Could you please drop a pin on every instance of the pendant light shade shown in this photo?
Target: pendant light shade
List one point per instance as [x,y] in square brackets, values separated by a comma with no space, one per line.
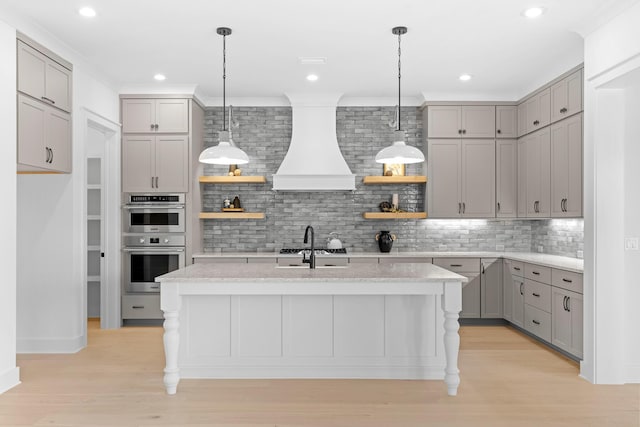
[226,152]
[399,151]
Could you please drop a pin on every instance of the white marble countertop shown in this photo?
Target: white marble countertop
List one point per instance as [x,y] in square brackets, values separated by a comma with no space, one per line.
[271,272]
[555,261]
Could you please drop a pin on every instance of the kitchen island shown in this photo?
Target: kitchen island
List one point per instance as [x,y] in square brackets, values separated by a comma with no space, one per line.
[397,321]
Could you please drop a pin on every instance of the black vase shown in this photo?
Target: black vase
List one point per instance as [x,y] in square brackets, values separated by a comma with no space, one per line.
[385,241]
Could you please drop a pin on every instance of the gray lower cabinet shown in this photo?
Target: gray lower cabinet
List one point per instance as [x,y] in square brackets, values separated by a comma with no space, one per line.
[141,307]
[517,293]
[491,288]
[470,268]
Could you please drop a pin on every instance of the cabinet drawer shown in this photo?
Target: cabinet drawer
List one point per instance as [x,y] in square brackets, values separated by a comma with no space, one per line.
[418,260]
[537,294]
[537,322]
[141,307]
[567,280]
[459,265]
[516,268]
[537,273]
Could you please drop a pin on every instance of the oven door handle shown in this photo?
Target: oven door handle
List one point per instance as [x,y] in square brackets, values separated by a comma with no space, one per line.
[153,249]
[152,207]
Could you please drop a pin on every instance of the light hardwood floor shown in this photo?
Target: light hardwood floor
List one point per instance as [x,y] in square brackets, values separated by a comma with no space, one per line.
[507,380]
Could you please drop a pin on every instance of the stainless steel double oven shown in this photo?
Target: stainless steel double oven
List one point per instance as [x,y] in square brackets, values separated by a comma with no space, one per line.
[153,239]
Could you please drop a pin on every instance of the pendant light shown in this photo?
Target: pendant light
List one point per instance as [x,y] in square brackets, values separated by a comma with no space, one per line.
[226,152]
[399,151]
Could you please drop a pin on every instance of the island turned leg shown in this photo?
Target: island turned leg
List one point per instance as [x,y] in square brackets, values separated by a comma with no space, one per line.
[451,305]
[171,341]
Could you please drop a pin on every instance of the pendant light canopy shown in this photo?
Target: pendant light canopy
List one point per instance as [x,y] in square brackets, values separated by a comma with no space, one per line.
[226,152]
[399,151]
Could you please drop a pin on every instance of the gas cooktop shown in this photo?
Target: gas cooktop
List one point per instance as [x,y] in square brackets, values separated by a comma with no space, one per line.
[318,251]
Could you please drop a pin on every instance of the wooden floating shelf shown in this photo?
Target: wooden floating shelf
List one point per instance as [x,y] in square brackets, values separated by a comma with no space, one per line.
[394,215]
[231,215]
[415,179]
[233,179]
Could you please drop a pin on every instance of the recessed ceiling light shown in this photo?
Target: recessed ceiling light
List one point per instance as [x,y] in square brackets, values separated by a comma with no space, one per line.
[533,12]
[160,77]
[465,77]
[87,12]
[312,77]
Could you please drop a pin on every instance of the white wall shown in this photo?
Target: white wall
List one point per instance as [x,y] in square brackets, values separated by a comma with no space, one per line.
[9,373]
[612,79]
[51,294]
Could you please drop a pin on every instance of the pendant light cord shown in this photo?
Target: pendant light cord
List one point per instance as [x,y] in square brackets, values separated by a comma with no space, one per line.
[399,75]
[224,82]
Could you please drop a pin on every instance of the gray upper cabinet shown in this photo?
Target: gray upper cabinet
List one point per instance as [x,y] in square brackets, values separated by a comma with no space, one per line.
[534,174]
[566,97]
[506,178]
[43,78]
[537,112]
[506,121]
[468,121]
[155,163]
[141,115]
[566,167]
[461,179]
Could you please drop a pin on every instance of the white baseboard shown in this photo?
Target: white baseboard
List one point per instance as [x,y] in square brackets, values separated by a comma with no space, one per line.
[633,374]
[50,345]
[9,379]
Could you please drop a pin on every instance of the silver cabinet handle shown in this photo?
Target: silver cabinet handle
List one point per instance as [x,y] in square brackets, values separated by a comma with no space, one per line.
[568,304]
[51,150]
[46,149]
[521,285]
[49,100]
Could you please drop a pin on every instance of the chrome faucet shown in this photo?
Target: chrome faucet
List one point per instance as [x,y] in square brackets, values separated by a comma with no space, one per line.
[312,257]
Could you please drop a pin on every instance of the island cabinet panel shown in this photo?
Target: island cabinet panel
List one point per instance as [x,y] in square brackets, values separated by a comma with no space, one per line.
[256,325]
[359,325]
[213,314]
[308,326]
[404,320]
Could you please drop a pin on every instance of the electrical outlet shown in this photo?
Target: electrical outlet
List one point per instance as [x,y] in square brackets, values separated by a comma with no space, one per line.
[630,243]
[540,248]
[500,248]
[580,254]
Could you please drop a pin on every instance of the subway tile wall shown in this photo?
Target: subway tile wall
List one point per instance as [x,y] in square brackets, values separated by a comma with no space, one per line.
[265,132]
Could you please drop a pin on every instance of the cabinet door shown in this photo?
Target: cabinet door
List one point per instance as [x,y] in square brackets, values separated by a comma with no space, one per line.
[138,115]
[567,317]
[491,288]
[522,176]
[478,178]
[172,115]
[478,121]
[517,317]
[31,132]
[566,97]
[443,191]
[171,166]
[471,298]
[566,167]
[522,119]
[507,291]
[58,85]
[538,147]
[32,67]
[444,121]
[506,121]
[506,178]
[58,139]
[538,110]
[138,164]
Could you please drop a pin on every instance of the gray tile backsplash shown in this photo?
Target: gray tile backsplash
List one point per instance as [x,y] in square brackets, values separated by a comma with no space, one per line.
[265,132]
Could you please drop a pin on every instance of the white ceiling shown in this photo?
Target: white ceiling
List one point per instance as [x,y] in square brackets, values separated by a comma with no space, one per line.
[508,55]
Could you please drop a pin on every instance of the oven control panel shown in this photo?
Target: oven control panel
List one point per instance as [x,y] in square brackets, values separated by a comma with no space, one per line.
[146,240]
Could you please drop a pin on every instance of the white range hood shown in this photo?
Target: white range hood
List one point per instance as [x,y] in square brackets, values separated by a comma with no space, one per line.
[314,161]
